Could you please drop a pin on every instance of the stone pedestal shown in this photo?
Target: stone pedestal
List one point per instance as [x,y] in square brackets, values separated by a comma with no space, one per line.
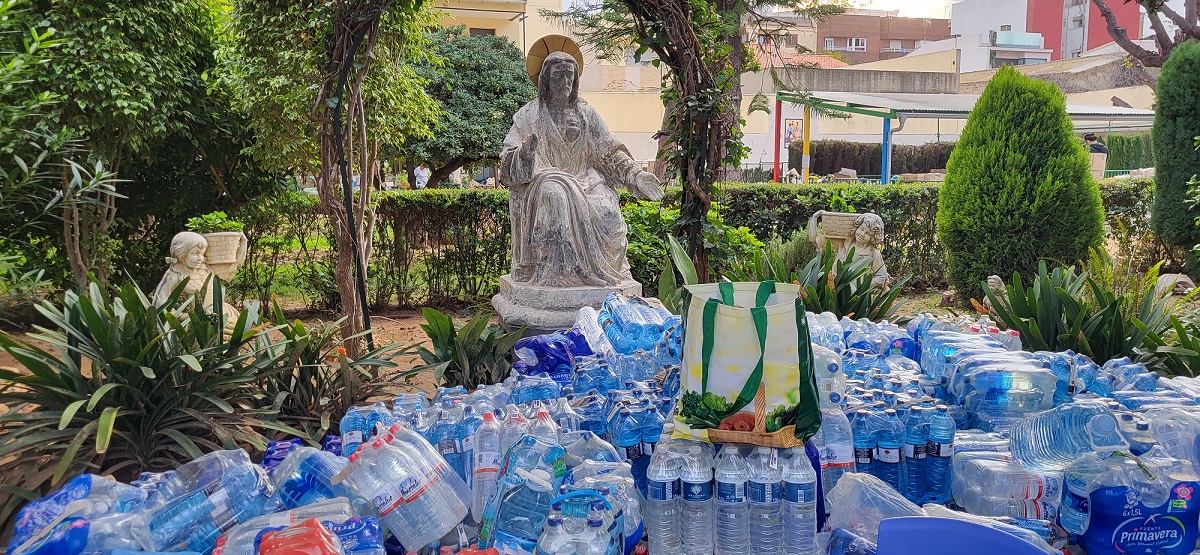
[548,309]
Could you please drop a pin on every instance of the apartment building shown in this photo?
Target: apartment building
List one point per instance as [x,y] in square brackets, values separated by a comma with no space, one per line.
[861,36]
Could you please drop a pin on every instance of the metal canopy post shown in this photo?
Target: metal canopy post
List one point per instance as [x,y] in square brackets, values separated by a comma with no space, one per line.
[887,149]
[778,134]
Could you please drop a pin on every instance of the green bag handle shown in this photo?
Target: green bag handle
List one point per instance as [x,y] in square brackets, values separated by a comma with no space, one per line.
[759,315]
[765,290]
[808,418]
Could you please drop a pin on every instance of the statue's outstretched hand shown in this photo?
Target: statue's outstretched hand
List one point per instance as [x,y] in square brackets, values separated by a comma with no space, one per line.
[528,149]
[648,186]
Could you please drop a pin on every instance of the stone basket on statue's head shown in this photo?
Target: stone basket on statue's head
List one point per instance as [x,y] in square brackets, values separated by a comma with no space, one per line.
[838,227]
[226,253]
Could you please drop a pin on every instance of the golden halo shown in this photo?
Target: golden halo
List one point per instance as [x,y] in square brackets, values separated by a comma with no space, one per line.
[546,46]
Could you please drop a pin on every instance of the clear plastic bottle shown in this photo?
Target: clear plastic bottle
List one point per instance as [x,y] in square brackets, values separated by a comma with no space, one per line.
[662,503]
[864,427]
[554,540]
[916,439]
[415,508]
[594,540]
[429,462]
[523,510]
[89,536]
[939,452]
[486,448]
[1053,439]
[799,503]
[306,476]
[835,443]
[765,491]
[352,426]
[544,428]
[733,508]
[696,506]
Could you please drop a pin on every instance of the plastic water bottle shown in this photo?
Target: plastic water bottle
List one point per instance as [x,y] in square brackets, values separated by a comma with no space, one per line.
[733,508]
[465,433]
[939,452]
[845,542]
[445,438]
[415,508]
[429,462]
[306,476]
[565,416]
[889,454]
[766,495]
[554,540]
[544,428]
[523,510]
[627,436]
[696,505]
[486,444]
[662,503]
[1053,439]
[198,518]
[799,503]
[81,535]
[863,428]
[916,439]
[352,425]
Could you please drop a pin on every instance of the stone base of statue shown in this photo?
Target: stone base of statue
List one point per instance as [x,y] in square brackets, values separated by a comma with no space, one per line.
[547,309]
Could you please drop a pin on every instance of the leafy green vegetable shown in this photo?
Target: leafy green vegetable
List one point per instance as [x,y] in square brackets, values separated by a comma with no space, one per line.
[781,416]
[703,411]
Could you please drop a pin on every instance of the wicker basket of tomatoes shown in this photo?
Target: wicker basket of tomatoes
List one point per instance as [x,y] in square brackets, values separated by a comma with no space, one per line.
[750,428]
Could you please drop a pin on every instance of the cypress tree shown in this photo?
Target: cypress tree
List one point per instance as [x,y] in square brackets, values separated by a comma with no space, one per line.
[1018,188]
[1176,124]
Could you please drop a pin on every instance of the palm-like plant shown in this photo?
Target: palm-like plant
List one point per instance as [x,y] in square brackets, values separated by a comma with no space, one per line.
[129,386]
[844,287]
[475,354]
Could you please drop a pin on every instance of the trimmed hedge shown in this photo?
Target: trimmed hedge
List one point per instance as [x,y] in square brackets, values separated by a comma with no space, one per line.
[449,246]
[829,157]
[1129,152]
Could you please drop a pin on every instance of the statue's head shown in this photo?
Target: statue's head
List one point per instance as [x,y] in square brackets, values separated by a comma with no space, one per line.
[868,230]
[558,81]
[187,250]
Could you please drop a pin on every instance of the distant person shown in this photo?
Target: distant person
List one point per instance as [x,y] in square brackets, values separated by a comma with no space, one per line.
[422,174]
[1094,145]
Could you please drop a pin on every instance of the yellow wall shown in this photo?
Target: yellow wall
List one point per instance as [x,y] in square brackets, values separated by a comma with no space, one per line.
[945,61]
[504,17]
[1141,97]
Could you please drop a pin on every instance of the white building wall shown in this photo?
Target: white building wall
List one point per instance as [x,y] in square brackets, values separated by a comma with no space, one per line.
[980,17]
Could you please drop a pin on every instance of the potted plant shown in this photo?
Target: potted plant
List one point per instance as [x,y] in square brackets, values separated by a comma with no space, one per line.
[226,243]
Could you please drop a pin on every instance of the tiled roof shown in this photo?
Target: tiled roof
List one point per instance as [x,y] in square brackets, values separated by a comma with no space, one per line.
[769,56]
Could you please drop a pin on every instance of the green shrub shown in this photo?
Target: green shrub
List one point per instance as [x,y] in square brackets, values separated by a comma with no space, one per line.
[649,225]
[1019,187]
[213,222]
[909,213]
[1129,152]
[1176,121]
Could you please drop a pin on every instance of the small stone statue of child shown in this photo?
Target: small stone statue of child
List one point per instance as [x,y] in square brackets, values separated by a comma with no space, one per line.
[867,241]
[187,261]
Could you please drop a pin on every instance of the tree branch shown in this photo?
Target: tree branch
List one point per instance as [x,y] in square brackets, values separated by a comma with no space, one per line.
[1188,26]
[1121,37]
[1161,37]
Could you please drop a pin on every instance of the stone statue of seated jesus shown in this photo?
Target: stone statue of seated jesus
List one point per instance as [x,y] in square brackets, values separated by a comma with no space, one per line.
[563,167]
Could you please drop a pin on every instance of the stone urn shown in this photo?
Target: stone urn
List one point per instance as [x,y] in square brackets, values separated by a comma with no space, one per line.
[226,253]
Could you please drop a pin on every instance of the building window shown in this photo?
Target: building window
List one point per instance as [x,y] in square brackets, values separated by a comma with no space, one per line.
[1077,22]
[856,45]
[1006,27]
[790,39]
[476,32]
[829,44]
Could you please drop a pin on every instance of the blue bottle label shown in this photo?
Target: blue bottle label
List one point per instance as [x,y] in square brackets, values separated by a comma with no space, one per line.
[447,446]
[888,455]
[662,491]
[1121,523]
[697,491]
[731,492]
[630,453]
[800,493]
[912,451]
[68,536]
[1072,501]
[765,492]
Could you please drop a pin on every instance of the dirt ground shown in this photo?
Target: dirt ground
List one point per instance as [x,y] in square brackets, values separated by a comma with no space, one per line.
[404,326]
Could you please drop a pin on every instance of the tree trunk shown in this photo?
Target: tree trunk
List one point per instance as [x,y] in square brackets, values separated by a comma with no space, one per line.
[410,172]
[436,176]
[329,188]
